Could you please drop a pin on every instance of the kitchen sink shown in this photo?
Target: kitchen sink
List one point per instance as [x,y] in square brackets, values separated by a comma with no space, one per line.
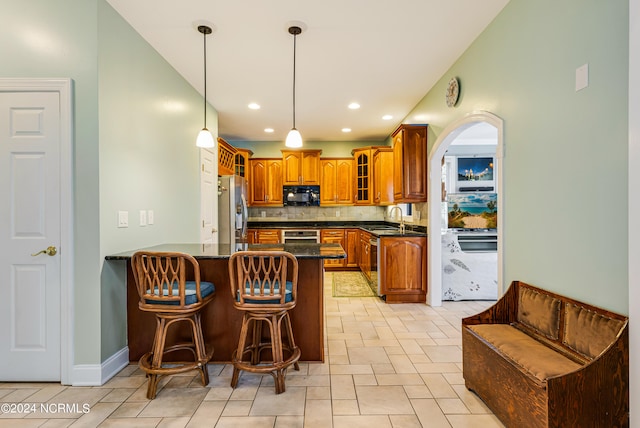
[379,228]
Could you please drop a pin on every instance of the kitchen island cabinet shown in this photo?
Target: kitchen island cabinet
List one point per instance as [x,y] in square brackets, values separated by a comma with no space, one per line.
[403,269]
[221,321]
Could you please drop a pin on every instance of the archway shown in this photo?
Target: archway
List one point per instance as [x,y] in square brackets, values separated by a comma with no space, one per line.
[448,135]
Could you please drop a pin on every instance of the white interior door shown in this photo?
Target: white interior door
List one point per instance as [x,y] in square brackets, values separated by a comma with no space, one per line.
[208,197]
[30,138]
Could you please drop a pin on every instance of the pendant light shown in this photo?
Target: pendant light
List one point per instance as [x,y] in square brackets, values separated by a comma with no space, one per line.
[205,139]
[294,139]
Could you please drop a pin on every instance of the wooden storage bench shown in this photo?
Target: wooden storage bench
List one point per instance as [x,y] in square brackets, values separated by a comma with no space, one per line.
[538,359]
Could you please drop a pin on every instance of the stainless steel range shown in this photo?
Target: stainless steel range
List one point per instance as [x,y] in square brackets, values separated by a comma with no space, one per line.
[300,236]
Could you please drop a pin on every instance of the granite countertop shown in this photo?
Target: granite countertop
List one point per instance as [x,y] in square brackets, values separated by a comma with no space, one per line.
[377,228]
[224,251]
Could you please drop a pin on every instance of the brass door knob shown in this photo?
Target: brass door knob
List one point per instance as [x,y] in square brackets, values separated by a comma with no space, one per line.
[50,251]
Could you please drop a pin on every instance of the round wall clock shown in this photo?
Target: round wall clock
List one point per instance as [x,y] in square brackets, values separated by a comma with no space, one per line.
[453,90]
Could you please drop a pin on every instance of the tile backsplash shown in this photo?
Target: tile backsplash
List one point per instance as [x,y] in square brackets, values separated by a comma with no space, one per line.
[345,213]
[316,213]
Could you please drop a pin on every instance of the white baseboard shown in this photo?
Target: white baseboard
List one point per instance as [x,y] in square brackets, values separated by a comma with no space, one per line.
[99,374]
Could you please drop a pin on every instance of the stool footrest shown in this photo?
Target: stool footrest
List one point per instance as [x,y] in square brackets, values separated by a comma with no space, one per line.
[269,366]
[173,367]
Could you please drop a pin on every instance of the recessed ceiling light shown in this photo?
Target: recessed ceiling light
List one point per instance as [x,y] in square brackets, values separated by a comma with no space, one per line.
[354,106]
[387,117]
[268,130]
[346,129]
[254,106]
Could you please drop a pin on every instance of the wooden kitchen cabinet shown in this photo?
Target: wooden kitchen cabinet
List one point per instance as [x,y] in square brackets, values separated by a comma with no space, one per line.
[263,236]
[336,181]
[301,167]
[352,237]
[242,163]
[364,254]
[403,269]
[410,163]
[226,157]
[363,177]
[349,240]
[333,236]
[265,182]
[383,176]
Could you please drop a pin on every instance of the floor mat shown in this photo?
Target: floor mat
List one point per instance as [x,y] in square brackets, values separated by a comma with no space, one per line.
[350,284]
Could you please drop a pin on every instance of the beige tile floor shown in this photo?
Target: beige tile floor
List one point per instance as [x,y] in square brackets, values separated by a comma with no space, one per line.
[386,366]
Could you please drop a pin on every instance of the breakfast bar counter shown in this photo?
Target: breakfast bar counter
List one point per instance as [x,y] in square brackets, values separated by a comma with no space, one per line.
[220,320]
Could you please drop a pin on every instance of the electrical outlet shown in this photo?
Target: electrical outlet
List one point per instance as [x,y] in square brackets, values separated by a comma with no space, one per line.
[150,217]
[143,218]
[123,218]
[337,213]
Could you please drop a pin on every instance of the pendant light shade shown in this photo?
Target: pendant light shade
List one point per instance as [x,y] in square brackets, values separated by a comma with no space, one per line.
[294,139]
[205,139]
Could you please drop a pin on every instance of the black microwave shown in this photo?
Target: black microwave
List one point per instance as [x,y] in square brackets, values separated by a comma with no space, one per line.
[301,196]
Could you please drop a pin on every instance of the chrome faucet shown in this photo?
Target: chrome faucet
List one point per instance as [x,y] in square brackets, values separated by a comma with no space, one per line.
[401,217]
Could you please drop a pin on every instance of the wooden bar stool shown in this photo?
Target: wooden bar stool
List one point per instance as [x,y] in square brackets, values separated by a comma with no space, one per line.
[163,290]
[264,284]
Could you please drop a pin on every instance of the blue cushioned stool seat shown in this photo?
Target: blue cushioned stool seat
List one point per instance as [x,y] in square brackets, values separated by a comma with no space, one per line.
[256,290]
[190,298]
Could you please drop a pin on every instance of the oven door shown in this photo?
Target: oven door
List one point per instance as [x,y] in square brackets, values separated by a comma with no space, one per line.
[301,236]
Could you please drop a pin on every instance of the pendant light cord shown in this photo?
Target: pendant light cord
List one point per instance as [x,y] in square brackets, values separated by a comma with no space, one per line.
[204,33]
[294,79]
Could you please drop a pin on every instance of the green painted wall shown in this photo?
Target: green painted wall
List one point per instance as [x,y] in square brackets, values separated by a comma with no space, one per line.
[565,165]
[270,149]
[41,38]
[135,123]
[149,119]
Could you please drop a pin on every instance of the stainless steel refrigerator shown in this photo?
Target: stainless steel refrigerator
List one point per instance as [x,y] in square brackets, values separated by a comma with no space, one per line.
[232,211]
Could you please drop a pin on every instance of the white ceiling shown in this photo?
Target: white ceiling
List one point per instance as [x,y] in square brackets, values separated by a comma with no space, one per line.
[385,55]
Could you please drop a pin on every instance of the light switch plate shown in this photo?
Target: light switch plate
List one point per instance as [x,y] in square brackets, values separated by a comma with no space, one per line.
[150,217]
[582,77]
[143,217]
[123,218]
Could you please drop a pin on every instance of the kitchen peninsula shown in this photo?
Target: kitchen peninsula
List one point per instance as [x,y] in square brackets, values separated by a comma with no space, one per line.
[220,320]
